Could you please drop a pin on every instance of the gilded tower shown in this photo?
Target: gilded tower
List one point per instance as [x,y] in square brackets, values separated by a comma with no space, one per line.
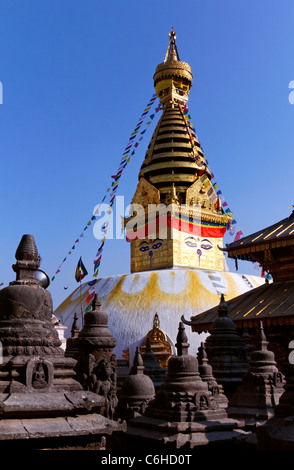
[177,219]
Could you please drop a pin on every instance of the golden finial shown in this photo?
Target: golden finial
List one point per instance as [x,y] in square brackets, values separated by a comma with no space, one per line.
[172,51]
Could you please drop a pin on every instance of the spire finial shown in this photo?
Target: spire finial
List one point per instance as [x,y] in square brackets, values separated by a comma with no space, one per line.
[261,338]
[96,303]
[172,51]
[223,308]
[75,329]
[138,365]
[182,344]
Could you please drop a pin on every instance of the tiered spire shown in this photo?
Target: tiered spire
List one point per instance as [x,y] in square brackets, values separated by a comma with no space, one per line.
[175,173]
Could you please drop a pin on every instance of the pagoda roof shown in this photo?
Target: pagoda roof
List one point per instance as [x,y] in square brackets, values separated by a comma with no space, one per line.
[273,303]
[275,235]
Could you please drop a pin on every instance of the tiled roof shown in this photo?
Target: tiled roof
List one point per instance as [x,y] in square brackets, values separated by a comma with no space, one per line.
[278,231]
[272,302]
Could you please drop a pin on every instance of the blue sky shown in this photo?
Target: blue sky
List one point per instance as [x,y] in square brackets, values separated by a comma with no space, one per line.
[76,76]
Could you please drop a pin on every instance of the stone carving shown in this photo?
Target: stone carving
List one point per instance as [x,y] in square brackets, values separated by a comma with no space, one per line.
[39,374]
[97,368]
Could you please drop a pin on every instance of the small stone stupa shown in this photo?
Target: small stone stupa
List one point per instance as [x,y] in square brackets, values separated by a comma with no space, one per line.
[184,412]
[72,343]
[206,375]
[136,392]
[278,432]
[259,394]
[152,367]
[96,367]
[42,405]
[226,351]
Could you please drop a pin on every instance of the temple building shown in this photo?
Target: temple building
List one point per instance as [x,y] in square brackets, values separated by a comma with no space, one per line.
[176,262]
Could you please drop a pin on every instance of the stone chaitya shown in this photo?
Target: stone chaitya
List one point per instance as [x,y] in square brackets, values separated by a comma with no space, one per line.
[184,412]
[262,386]
[96,367]
[278,432]
[41,402]
[226,352]
[72,343]
[136,392]
[152,367]
[206,374]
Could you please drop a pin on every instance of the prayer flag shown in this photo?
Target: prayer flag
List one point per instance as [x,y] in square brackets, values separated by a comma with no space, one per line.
[90,297]
[238,236]
[81,271]
[90,304]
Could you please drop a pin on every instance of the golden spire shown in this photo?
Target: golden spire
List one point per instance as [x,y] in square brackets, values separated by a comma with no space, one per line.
[172,78]
[172,51]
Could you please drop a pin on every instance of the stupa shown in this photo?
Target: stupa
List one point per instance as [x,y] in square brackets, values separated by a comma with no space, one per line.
[42,405]
[258,395]
[152,367]
[96,366]
[226,351]
[176,264]
[136,392]
[206,374]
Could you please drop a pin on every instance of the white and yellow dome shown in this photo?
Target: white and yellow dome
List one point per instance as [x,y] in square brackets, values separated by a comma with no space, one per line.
[131,301]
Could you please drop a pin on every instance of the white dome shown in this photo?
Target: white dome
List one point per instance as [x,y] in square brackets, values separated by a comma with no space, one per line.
[131,301]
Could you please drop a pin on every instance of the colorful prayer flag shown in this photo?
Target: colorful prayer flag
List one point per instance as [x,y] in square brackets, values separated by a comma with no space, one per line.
[81,271]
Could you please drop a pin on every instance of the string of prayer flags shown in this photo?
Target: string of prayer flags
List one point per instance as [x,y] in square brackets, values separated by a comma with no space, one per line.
[91,294]
[234,229]
[125,159]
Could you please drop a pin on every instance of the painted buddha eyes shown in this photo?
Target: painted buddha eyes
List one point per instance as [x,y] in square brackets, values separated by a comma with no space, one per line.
[192,243]
[144,246]
[157,244]
[206,244]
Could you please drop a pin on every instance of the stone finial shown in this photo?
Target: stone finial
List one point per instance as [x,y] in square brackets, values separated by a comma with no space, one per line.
[182,344]
[75,329]
[27,259]
[27,249]
[261,338]
[96,304]
[138,365]
[223,307]
[202,355]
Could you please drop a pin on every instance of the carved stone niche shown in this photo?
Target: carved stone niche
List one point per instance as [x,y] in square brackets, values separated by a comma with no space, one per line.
[39,375]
